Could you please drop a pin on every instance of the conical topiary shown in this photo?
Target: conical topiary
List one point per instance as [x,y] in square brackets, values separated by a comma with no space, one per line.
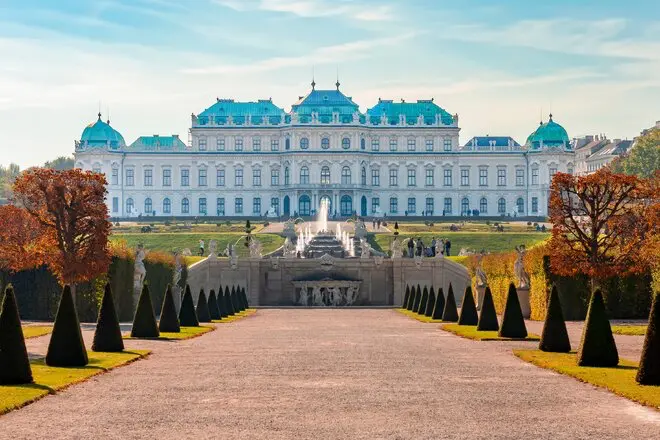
[187,314]
[597,348]
[234,302]
[66,347]
[203,313]
[554,337]
[430,304]
[649,364]
[222,305]
[405,298]
[418,299]
[144,322]
[488,317]
[213,306]
[228,304]
[450,313]
[246,302]
[14,362]
[422,304]
[468,314]
[439,305]
[107,336]
[411,299]
[240,299]
[513,323]
[169,321]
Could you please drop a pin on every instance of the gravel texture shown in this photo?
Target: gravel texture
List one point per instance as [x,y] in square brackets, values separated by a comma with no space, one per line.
[330,374]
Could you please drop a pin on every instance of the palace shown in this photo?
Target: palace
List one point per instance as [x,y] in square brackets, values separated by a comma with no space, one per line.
[249,159]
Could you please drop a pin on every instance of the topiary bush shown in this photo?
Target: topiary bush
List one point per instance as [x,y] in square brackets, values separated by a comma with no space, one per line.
[214,312]
[411,299]
[597,347]
[246,303]
[187,314]
[228,304]
[430,304]
[222,305]
[203,314]
[469,314]
[488,317]
[649,365]
[422,303]
[439,305]
[107,336]
[450,313]
[14,362]
[418,299]
[66,347]
[554,337]
[234,302]
[513,323]
[169,321]
[406,297]
[144,323]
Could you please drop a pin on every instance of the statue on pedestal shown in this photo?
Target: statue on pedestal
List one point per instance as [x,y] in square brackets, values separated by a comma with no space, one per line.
[519,268]
[360,229]
[255,248]
[395,248]
[213,249]
[288,249]
[482,279]
[365,249]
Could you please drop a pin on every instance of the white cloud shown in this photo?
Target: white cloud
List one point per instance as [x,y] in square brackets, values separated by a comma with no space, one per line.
[315,8]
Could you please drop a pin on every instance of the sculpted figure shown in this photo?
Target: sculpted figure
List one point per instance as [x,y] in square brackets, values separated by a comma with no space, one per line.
[519,267]
[395,248]
[140,271]
[255,248]
[317,299]
[365,248]
[482,279]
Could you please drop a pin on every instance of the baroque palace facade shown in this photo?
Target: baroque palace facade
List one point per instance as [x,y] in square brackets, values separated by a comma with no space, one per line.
[253,159]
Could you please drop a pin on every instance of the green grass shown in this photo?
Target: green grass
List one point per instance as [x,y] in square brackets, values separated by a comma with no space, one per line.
[49,380]
[420,318]
[470,332]
[468,226]
[212,226]
[490,241]
[620,380]
[236,317]
[177,241]
[34,331]
[186,333]
[630,330]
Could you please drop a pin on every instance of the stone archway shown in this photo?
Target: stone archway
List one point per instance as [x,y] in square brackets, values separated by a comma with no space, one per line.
[286,206]
[363,206]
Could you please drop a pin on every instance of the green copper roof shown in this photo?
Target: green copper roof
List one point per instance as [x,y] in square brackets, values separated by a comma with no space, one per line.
[157,142]
[549,134]
[412,110]
[224,108]
[324,103]
[100,134]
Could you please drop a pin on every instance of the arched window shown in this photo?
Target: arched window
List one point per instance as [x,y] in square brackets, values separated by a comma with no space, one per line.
[325,175]
[130,206]
[287,177]
[304,175]
[287,144]
[465,206]
[363,176]
[483,205]
[304,143]
[148,206]
[346,143]
[501,206]
[304,205]
[185,206]
[346,176]
[325,143]
[363,144]
[167,206]
[520,203]
[346,205]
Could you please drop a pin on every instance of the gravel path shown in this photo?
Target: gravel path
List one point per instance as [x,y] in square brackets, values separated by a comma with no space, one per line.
[331,374]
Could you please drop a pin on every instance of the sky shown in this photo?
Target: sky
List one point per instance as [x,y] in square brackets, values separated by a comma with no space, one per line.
[150,64]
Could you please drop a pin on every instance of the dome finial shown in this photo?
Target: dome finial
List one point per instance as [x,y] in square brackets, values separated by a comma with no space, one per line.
[337,83]
[99,115]
[550,116]
[313,82]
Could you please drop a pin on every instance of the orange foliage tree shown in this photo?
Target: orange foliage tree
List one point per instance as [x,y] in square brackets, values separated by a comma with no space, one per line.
[600,224]
[21,240]
[69,205]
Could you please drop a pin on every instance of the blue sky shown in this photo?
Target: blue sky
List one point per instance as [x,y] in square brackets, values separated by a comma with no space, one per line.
[151,63]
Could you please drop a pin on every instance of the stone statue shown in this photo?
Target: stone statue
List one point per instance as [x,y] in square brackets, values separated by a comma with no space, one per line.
[439,249]
[140,271]
[395,248]
[519,268]
[186,252]
[288,249]
[304,295]
[365,249]
[289,230]
[378,260]
[335,294]
[213,249]
[178,268]
[360,229]
[482,279]
[255,248]
[351,295]
[317,298]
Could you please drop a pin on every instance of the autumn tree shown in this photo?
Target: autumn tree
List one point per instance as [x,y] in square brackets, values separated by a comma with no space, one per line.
[600,223]
[21,240]
[69,205]
[644,158]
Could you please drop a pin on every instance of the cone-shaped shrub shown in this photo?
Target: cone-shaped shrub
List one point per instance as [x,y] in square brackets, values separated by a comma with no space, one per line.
[239,298]
[418,299]
[469,314]
[228,305]
[187,314]
[405,298]
[66,347]
[234,303]
[554,337]
[411,299]
[513,323]
[597,348]
[450,313]
[422,304]
[222,305]
[14,362]
[649,365]
[488,317]
[203,313]
[144,322]
[430,304]
[213,306]
[246,303]
[439,305]
[169,321]
[107,336]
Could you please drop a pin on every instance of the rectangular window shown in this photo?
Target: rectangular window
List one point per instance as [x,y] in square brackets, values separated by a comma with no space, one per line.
[394,145]
[202,145]
[185,177]
[115,204]
[256,206]
[430,177]
[429,145]
[275,145]
[130,177]
[412,145]
[483,177]
[238,144]
[375,204]
[375,144]
[256,144]
[202,177]
[501,177]
[535,205]
[465,177]
[429,206]
[219,177]
[238,177]
[394,205]
[375,177]
[167,177]
[238,205]
[256,177]
[220,203]
[447,208]
[394,177]
[148,177]
[447,144]
[412,178]
[448,178]
[275,177]
[202,205]
[275,203]
[115,176]
[520,177]
[412,205]
[535,176]
[553,171]
[220,144]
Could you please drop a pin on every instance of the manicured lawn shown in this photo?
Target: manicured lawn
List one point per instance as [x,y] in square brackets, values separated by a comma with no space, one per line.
[186,333]
[619,380]
[470,332]
[490,241]
[210,227]
[630,330]
[177,241]
[420,318]
[34,331]
[48,380]
[481,226]
[236,317]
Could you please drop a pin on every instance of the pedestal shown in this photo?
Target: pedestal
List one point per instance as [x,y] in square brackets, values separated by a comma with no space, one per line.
[481,291]
[523,297]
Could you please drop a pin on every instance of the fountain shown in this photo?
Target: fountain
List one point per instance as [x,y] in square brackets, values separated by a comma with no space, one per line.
[322,219]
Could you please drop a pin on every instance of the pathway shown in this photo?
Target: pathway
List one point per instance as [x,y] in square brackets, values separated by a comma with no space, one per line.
[331,374]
